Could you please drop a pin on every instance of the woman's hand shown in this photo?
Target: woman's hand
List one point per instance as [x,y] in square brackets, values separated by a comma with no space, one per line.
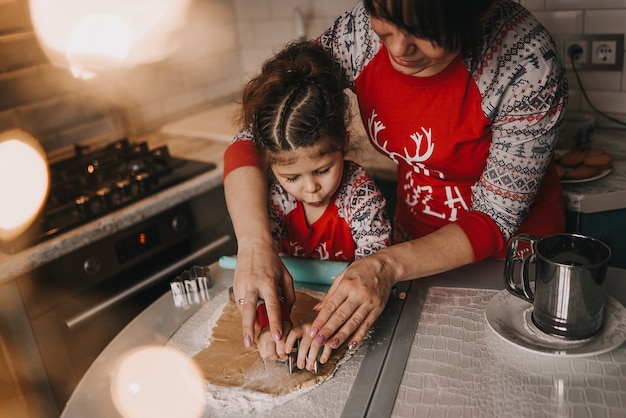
[359,294]
[354,301]
[260,273]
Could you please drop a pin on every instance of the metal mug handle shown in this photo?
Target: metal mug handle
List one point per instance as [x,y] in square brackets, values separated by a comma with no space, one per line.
[513,256]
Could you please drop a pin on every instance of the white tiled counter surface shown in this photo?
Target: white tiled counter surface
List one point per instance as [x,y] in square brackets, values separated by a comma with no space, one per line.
[459,367]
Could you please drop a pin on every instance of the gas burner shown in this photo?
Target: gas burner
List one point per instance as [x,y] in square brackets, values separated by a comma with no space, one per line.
[94,182]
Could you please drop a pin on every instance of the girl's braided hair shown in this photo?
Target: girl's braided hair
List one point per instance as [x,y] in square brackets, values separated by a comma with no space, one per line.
[297,100]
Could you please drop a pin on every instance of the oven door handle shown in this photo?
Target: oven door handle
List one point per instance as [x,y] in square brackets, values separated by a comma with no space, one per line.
[172,268]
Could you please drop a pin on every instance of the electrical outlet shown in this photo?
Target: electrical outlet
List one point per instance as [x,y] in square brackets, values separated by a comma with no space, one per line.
[600,52]
[603,52]
[581,59]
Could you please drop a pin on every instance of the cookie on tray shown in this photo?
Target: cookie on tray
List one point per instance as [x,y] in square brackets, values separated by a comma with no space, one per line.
[595,151]
[573,158]
[600,161]
[581,172]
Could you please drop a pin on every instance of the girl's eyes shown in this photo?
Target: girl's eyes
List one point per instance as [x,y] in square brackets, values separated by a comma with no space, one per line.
[318,172]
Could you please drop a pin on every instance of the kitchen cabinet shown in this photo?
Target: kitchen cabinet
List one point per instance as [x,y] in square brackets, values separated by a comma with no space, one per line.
[608,226]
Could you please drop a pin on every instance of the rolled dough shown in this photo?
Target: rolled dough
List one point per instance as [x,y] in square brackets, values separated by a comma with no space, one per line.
[227,363]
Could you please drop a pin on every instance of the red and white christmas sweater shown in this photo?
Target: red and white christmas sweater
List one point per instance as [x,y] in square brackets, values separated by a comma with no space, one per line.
[353,225]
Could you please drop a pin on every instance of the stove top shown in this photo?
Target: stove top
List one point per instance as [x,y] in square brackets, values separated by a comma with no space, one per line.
[94,182]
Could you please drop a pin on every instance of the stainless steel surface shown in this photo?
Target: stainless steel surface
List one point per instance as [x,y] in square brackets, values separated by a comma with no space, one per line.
[92,396]
[378,380]
[568,293]
[14,265]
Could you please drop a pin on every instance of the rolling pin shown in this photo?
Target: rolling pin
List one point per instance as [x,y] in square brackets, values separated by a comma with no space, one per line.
[303,270]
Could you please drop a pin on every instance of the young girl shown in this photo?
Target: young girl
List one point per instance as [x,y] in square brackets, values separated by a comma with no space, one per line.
[320,205]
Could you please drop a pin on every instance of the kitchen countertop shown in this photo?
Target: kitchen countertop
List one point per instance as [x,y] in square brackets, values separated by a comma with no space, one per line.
[453,364]
[13,265]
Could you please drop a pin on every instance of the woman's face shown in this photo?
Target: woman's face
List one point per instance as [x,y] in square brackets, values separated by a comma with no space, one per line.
[409,54]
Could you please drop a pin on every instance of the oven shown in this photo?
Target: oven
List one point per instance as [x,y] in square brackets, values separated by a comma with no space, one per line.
[76,304]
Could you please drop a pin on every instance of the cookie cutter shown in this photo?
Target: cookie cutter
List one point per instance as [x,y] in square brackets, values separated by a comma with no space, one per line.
[292,358]
[191,287]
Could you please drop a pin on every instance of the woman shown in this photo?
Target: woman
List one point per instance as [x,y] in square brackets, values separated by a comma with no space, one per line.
[466,96]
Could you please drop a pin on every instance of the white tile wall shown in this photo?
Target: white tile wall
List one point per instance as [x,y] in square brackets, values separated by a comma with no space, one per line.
[265,25]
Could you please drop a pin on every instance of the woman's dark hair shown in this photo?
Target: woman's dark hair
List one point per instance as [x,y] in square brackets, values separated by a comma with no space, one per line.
[296,100]
[454,25]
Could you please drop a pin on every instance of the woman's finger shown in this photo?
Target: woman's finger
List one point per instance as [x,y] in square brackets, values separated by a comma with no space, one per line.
[355,329]
[259,275]
[292,337]
[360,296]
[333,314]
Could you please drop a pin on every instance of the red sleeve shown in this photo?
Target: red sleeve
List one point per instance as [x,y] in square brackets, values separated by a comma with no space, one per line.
[483,233]
[263,319]
[241,154]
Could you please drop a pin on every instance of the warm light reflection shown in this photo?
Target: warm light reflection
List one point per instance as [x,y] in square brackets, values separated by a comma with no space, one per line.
[157,381]
[97,40]
[24,181]
[89,37]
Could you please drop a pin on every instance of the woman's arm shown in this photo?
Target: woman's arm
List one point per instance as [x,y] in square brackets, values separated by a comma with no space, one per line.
[359,294]
[259,272]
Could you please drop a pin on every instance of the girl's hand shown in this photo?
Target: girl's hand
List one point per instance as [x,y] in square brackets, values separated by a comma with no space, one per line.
[307,352]
[270,349]
[260,273]
[354,301]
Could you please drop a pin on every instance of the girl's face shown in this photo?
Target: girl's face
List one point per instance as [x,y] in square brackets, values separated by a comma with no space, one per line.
[409,54]
[310,177]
